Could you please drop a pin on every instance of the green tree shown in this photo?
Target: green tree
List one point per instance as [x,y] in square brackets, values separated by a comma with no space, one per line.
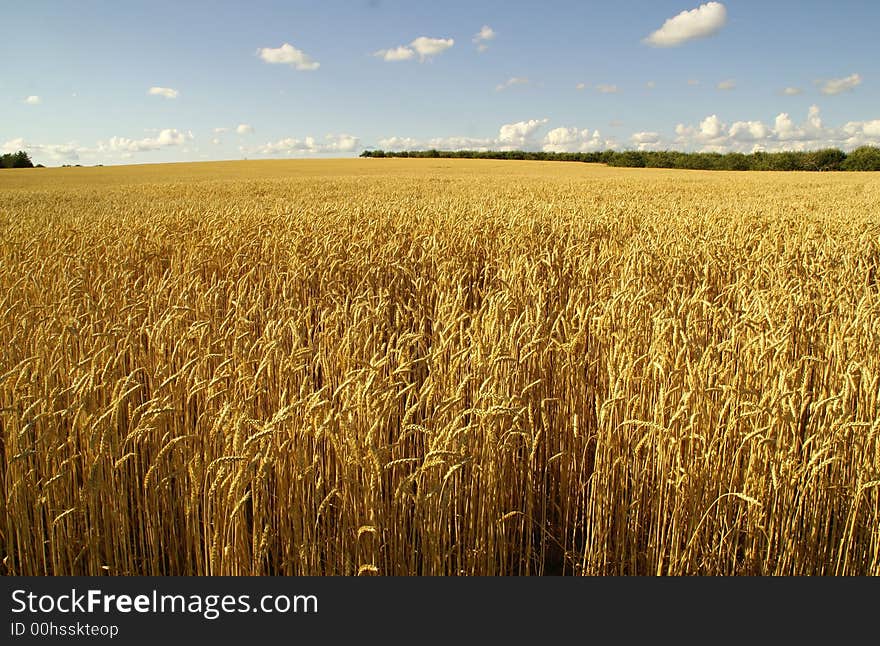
[628,158]
[16,160]
[824,160]
[864,158]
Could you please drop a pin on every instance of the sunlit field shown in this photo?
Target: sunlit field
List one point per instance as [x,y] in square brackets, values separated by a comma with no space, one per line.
[391,366]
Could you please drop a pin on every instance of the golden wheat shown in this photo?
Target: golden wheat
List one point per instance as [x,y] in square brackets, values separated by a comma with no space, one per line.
[438,367]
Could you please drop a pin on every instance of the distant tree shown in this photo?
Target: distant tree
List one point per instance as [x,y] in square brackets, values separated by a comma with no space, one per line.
[735,161]
[864,158]
[784,161]
[659,159]
[829,159]
[695,161]
[16,160]
[628,158]
[824,160]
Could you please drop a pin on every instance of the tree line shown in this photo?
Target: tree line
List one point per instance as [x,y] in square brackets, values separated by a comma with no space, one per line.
[16,160]
[866,158]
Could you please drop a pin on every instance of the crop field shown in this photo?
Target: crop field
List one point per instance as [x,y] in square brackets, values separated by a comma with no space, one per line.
[438,367]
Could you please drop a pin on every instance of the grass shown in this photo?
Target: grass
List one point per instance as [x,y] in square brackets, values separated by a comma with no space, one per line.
[438,367]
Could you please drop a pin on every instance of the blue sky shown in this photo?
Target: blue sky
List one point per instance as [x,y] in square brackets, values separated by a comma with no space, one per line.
[131,82]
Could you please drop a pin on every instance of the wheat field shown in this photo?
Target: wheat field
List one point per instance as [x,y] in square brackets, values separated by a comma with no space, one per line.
[438,367]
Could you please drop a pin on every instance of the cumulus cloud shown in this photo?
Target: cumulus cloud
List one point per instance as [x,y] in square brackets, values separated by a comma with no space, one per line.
[729,84]
[514,80]
[341,143]
[61,152]
[14,145]
[711,134]
[651,85]
[244,129]
[511,136]
[482,37]
[33,99]
[711,127]
[287,54]
[580,86]
[701,22]
[792,91]
[167,92]
[869,128]
[605,88]
[220,131]
[785,128]
[422,46]
[166,138]
[437,143]
[748,131]
[402,53]
[784,134]
[646,140]
[520,133]
[574,140]
[836,86]
[427,47]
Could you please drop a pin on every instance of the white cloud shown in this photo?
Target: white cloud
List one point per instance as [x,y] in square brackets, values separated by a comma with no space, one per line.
[61,152]
[871,128]
[482,37]
[14,145]
[836,86]
[423,46]
[711,127]
[784,134]
[651,85]
[729,84]
[33,99]
[69,151]
[785,129]
[427,47]
[244,129]
[572,140]
[511,136]
[166,138]
[216,141]
[341,143]
[437,143]
[701,22]
[400,143]
[519,133]
[792,91]
[748,131]
[604,88]
[402,53]
[220,131]
[580,86]
[514,80]
[711,134]
[167,92]
[645,138]
[287,54]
